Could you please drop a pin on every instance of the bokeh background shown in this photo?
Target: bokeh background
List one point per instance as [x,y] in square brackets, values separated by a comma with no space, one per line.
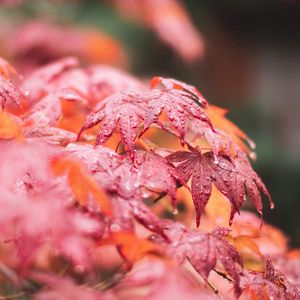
[250,64]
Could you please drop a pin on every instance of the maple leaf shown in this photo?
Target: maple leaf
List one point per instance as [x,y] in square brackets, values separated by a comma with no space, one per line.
[178,100]
[97,159]
[202,250]
[219,121]
[105,81]
[44,116]
[125,109]
[94,83]
[48,110]
[74,79]
[173,84]
[271,284]
[132,109]
[128,183]
[145,174]
[289,265]
[117,173]
[220,143]
[125,211]
[38,84]
[106,167]
[234,179]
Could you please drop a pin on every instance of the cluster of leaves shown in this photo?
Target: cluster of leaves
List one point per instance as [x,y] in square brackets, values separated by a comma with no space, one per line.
[90,157]
[28,46]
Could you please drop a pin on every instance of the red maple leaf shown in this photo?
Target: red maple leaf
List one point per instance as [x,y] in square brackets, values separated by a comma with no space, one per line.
[187,90]
[289,265]
[48,110]
[43,118]
[130,110]
[117,173]
[271,284]
[38,84]
[234,178]
[202,250]
[105,81]
[124,109]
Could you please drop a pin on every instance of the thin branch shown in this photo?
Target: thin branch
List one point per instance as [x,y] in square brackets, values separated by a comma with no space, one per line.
[223,275]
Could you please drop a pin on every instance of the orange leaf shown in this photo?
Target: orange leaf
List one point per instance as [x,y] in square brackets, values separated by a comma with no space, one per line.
[217,116]
[132,247]
[9,128]
[249,251]
[244,242]
[81,183]
[294,253]
[73,115]
[218,208]
[100,48]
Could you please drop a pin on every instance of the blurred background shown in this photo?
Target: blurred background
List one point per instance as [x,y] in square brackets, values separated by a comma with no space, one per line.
[242,55]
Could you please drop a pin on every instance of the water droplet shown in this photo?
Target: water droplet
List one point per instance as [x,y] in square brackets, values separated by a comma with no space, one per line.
[180,110]
[79,269]
[115,227]
[253,155]
[215,159]
[251,144]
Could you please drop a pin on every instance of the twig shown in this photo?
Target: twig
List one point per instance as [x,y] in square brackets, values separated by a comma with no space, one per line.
[223,275]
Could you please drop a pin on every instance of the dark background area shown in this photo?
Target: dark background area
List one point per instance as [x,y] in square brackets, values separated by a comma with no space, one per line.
[251,66]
